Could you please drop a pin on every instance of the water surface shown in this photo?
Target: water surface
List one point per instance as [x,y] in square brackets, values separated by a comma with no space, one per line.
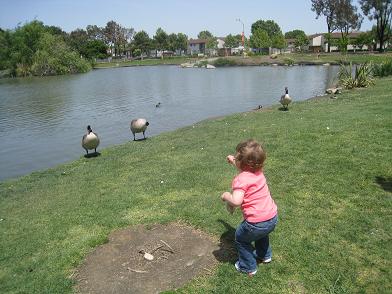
[42,120]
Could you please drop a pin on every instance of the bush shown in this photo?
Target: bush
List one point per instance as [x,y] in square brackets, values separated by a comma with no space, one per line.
[288,61]
[224,62]
[383,70]
[362,78]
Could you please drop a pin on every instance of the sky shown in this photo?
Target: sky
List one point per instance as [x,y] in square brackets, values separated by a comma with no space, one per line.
[220,17]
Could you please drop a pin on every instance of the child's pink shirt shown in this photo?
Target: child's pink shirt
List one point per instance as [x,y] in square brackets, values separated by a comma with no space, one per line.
[258,204]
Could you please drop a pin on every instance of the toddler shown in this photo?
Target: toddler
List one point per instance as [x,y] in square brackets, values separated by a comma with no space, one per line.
[250,192]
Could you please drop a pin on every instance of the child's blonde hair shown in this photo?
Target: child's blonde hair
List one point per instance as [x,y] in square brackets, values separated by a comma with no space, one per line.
[251,155]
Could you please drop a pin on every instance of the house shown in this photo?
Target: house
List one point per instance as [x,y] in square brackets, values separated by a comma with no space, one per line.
[197,46]
[318,42]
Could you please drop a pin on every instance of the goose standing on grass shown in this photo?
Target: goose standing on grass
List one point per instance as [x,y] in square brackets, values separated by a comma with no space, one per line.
[285,99]
[90,140]
[139,126]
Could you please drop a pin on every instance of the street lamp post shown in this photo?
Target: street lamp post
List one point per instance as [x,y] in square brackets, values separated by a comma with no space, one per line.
[242,36]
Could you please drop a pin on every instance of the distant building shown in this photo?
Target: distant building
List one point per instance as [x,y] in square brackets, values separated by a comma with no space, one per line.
[197,46]
[318,42]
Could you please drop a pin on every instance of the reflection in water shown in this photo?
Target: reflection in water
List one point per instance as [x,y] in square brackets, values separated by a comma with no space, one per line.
[42,120]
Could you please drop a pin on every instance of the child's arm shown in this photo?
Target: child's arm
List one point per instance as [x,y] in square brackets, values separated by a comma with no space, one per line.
[234,199]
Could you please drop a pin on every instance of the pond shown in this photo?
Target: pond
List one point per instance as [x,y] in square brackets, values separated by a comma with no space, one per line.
[42,120]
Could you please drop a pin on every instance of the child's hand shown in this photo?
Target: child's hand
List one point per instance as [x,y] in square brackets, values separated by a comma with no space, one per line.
[224,195]
[230,159]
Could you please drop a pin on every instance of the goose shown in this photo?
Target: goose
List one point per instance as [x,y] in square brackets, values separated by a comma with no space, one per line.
[285,99]
[139,125]
[90,140]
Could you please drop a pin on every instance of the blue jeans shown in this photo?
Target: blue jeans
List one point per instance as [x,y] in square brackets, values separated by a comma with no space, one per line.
[247,233]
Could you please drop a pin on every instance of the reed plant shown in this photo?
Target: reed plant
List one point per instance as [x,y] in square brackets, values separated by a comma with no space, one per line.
[356,76]
[383,70]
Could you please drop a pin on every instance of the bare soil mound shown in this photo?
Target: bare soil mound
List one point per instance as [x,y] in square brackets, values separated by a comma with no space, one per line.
[121,266]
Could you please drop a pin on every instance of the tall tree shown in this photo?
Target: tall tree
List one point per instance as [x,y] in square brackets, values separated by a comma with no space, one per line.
[260,39]
[212,44]
[294,34]
[381,11]
[77,40]
[328,9]
[142,42]
[5,44]
[95,33]
[269,26]
[161,40]
[278,41]
[182,42]
[113,36]
[232,41]
[347,18]
[204,35]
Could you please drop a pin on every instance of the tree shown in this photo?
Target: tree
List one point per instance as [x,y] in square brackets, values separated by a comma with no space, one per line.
[212,43]
[142,41]
[113,36]
[269,26]
[54,57]
[204,35]
[326,8]
[95,33]
[278,41]
[364,39]
[260,39]
[232,41]
[24,43]
[95,49]
[347,18]
[5,44]
[294,34]
[182,42]
[161,40]
[301,41]
[172,42]
[381,11]
[300,37]
[77,40]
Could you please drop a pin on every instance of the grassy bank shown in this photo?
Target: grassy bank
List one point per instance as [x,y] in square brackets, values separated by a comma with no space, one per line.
[153,61]
[281,59]
[329,169]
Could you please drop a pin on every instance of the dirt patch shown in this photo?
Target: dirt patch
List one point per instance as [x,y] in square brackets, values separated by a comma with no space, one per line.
[180,253]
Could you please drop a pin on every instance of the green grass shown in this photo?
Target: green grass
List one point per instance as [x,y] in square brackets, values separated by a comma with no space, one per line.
[292,58]
[147,61]
[328,166]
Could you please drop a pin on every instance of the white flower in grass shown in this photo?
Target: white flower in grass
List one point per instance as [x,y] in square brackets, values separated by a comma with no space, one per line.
[161,182]
[327,128]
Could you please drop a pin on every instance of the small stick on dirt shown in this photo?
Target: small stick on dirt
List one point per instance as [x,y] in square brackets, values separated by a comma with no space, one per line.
[208,270]
[172,251]
[136,271]
[156,248]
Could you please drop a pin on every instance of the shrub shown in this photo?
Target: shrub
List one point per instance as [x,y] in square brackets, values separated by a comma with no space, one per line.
[224,62]
[362,78]
[289,61]
[384,69]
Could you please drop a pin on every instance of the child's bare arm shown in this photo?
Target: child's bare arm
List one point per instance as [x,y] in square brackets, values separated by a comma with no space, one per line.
[235,199]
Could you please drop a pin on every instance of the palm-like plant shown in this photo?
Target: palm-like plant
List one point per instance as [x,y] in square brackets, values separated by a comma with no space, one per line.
[356,76]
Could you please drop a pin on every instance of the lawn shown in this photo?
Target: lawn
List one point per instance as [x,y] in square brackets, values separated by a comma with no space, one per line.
[281,59]
[328,167]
